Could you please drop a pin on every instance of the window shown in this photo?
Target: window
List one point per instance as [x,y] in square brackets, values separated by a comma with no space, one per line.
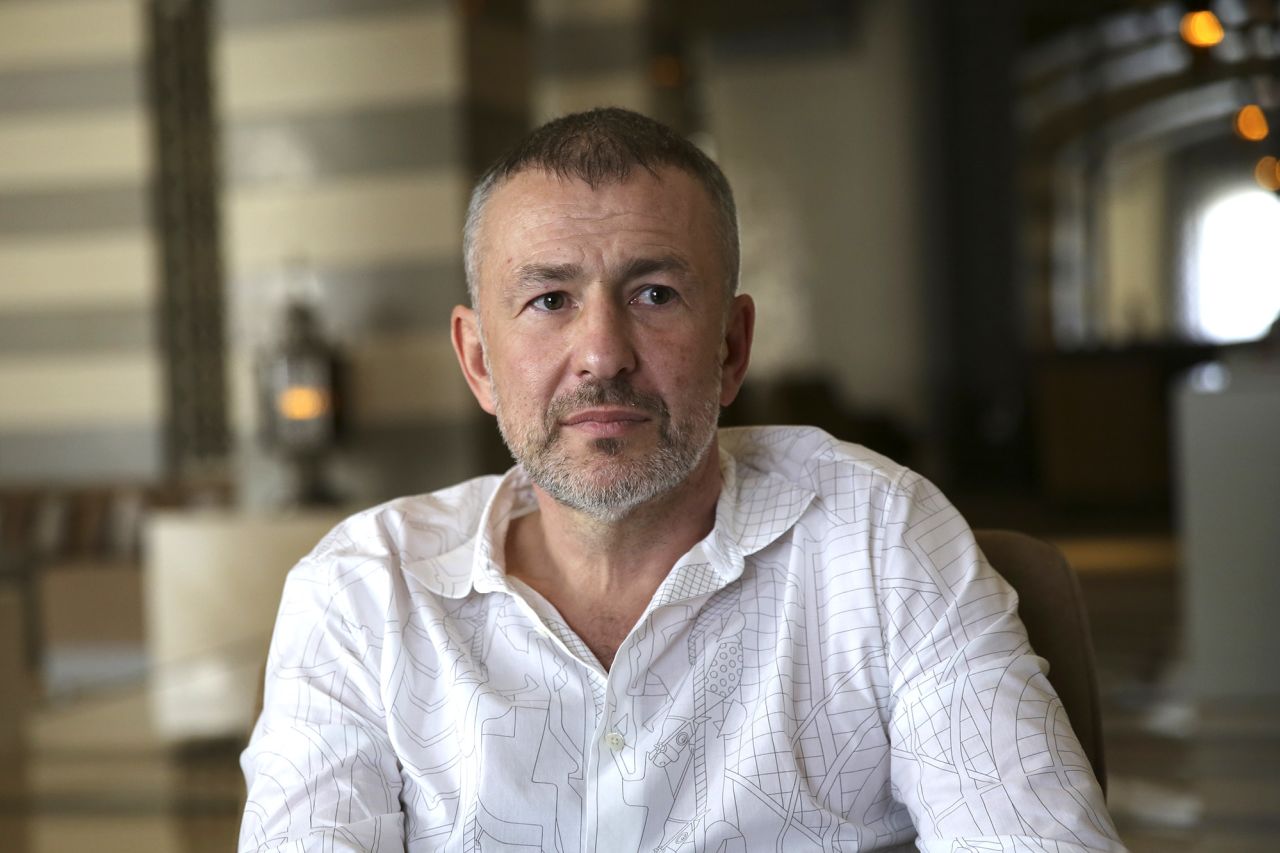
[1234,268]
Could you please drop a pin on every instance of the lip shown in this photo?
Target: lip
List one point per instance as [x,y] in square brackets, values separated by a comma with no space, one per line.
[605,423]
[604,416]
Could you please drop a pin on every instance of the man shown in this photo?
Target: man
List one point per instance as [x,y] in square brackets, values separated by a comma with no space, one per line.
[649,635]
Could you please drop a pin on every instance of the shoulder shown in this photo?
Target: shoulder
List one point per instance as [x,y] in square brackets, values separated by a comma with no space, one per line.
[371,546]
[839,473]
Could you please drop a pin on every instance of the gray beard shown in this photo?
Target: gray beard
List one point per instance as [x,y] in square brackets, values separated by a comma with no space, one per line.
[607,487]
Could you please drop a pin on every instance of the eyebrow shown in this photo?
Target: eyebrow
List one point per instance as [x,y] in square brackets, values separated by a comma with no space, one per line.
[536,275]
[641,267]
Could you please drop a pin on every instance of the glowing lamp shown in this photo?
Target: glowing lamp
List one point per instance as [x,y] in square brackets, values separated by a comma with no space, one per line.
[302,403]
[296,381]
[1201,29]
[1251,123]
[1267,173]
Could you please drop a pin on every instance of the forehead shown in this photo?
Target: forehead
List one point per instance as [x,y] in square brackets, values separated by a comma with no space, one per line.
[542,212]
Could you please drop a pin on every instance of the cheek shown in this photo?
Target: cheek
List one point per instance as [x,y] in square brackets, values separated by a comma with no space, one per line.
[523,381]
[688,368]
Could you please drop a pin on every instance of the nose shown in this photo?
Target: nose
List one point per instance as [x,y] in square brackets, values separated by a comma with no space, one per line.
[603,344]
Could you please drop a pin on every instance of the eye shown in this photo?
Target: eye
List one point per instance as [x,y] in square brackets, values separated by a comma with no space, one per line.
[656,294]
[549,301]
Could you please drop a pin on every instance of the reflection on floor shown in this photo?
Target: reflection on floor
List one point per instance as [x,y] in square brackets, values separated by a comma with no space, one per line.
[1182,779]
[96,779]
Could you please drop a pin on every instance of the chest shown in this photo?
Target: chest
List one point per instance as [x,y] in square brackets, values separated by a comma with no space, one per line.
[706,710]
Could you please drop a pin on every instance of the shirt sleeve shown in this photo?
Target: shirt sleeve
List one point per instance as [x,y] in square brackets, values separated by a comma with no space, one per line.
[321,772]
[982,753]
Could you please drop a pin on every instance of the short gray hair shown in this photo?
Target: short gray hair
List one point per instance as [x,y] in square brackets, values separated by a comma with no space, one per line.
[599,147]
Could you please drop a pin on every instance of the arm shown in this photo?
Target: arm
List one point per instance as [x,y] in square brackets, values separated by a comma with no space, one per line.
[321,772]
[982,753]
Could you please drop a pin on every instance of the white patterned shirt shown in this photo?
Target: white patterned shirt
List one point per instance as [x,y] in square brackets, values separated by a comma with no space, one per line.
[835,667]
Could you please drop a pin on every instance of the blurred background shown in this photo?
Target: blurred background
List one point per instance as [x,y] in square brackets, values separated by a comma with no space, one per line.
[1028,248]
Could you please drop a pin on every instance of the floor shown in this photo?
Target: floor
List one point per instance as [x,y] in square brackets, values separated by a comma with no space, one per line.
[1187,779]
[1182,778]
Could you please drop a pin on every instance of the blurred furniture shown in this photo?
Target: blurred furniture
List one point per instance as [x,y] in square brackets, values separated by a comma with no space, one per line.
[89,617]
[1227,422]
[71,550]
[17,584]
[1120,460]
[13,671]
[212,582]
[1052,607]
[15,699]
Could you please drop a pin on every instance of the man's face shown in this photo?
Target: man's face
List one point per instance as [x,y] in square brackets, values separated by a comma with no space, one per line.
[604,342]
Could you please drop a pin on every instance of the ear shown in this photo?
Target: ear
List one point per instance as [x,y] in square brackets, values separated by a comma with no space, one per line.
[735,349]
[464,329]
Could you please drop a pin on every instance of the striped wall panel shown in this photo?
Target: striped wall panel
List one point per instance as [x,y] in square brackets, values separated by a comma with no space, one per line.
[67,33]
[591,54]
[80,383]
[379,59]
[344,182]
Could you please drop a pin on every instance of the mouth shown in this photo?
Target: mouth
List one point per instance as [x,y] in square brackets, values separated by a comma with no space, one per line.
[605,422]
[604,416]
[603,410]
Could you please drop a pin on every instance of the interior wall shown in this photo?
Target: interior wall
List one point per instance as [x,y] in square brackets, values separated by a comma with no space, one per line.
[820,147]
[344,171]
[1135,297]
[345,177]
[80,377]
[590,53]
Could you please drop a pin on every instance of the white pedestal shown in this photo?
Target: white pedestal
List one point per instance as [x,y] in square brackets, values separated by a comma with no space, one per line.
[1228,434]
[211,584]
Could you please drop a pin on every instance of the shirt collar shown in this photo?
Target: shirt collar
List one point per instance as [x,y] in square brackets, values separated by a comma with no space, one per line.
[513,498]
[755,508]
[471,565]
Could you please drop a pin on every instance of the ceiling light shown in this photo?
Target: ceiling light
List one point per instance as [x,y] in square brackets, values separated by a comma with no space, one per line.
[1201,29]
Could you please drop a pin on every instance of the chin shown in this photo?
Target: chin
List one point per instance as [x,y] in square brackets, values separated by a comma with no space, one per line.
[609,446]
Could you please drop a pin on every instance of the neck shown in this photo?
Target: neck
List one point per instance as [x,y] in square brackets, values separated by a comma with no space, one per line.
[561,552]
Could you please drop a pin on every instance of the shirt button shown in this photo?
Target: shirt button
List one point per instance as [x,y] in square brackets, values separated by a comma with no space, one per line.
[615,740]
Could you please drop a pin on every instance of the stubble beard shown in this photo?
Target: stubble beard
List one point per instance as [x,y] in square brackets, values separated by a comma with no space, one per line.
[608,485]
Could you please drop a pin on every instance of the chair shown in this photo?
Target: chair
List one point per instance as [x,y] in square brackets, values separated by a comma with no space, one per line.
[1052,608]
